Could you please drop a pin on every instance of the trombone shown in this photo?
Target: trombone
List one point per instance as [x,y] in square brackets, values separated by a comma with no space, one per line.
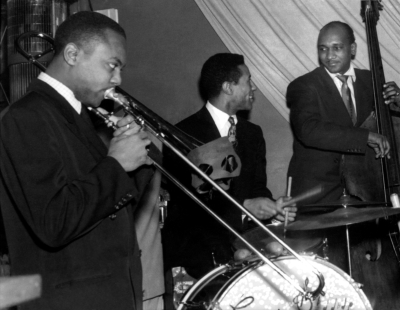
[164,131]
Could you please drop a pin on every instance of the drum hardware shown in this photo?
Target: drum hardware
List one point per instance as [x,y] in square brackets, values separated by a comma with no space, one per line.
[344,217]
[213,260]
[163,199]
[348,251]
[325,247]
[257,287]
[394,239]
[163,131]
[303,242]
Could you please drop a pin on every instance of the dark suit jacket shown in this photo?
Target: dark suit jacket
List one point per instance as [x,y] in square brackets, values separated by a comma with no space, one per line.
[323,130]
[58,189]
[195,230]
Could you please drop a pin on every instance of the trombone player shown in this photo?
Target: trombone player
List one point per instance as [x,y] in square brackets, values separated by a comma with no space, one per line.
[67,200]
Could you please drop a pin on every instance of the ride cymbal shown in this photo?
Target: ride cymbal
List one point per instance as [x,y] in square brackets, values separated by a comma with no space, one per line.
[345,200]
[341,217]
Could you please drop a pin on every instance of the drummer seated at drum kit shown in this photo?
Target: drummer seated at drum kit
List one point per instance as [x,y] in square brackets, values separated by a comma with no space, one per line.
[191,237]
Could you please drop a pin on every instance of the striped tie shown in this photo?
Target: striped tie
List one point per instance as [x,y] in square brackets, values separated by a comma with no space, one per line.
[346,95]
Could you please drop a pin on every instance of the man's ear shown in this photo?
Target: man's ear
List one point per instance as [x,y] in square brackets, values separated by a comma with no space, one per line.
[353,49]
[71,53]
[227,87]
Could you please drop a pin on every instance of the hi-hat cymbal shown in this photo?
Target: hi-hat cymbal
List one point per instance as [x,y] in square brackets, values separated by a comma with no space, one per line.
[342,216]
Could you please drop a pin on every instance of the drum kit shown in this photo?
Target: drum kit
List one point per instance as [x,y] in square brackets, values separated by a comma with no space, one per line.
[252,284]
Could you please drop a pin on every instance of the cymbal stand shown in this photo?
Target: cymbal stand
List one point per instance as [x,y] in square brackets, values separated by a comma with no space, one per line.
[348,249]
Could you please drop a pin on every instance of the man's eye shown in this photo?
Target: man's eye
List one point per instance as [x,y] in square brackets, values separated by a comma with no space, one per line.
[113,66]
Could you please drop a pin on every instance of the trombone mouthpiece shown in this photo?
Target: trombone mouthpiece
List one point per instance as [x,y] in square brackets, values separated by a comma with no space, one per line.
[109,93]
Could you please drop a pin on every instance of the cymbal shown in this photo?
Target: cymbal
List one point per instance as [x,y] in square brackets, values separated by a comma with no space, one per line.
[341,217]
[345,200]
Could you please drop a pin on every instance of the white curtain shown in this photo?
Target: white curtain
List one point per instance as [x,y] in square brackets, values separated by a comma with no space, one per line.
[278,37]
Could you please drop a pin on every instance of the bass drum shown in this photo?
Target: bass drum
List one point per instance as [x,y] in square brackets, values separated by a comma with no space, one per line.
[258,287]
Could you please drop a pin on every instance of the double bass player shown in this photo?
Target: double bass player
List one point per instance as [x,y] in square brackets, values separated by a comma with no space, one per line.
[323,127]
[329,107]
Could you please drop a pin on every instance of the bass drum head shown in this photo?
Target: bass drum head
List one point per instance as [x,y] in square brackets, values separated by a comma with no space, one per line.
[259,287]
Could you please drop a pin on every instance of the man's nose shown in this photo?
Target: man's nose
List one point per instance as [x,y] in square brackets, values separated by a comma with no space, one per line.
[331,54]
[116,79]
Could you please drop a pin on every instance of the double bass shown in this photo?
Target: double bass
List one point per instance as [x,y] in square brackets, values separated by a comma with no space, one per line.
[376,252]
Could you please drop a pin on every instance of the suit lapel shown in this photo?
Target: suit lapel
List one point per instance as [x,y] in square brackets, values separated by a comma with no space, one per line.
[74,122]
[209,130]
[241,139]
[334,102]
[93,142]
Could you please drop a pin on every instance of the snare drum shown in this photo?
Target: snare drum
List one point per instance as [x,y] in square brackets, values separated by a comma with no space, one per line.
[258,287]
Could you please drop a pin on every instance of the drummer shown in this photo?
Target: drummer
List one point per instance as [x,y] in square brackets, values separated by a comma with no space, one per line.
[191,237]
[326,115]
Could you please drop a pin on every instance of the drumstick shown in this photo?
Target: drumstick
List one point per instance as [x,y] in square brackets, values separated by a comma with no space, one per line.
[289,189]
[308,194]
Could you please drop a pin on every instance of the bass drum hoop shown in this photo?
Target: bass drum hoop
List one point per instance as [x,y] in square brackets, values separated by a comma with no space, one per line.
[243,271]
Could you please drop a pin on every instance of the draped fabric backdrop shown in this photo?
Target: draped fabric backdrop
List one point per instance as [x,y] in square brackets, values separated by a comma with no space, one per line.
[279,37]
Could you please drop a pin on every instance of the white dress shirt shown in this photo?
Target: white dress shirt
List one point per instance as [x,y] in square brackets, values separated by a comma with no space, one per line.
[62,90]
[350,81]
[220,119]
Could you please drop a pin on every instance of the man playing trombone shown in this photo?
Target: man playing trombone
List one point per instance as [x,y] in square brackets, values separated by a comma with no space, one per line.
[192,238]
[67,201]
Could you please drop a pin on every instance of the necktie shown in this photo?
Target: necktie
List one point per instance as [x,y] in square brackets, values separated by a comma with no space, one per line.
[232,131]
[346,95]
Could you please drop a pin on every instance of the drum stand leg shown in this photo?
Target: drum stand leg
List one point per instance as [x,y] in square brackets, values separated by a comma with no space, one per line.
[348,250]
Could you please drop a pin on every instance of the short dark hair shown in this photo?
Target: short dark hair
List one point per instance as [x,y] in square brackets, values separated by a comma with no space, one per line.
[84,27]
[346,27]
[220,68]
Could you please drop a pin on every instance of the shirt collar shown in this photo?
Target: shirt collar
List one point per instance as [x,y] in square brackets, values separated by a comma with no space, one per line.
[62,90]
[349,72]
[220,117]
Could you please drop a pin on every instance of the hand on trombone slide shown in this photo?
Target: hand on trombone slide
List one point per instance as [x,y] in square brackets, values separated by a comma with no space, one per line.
[129,145]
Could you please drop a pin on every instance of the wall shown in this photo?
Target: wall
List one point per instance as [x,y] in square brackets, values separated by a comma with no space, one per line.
[168,42]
